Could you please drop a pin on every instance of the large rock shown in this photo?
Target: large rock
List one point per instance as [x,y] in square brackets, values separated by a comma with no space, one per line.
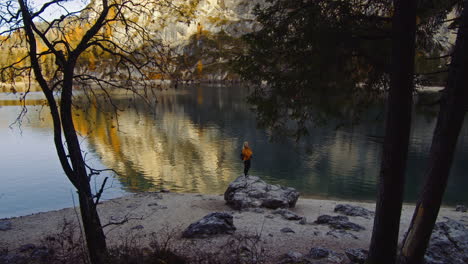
[338,222]
[212,224]
[351,210]
[251,191]
[448,244]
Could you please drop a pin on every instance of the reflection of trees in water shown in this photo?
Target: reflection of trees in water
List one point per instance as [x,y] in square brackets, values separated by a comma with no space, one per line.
[166,148]
[190,143]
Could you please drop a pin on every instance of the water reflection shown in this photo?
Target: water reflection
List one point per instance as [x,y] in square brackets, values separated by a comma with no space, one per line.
[190,140]
[190,143]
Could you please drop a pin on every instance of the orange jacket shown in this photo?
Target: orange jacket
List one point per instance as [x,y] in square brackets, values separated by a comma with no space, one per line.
[246,153]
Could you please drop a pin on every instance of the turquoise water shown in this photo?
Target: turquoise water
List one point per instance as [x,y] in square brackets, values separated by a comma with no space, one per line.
[191,142]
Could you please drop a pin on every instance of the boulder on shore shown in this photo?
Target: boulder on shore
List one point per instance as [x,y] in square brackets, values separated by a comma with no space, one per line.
[212,224]
[448,244]
[251,191]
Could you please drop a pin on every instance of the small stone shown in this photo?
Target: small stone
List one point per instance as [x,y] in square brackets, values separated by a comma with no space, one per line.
[138,227]
[26,247]
[12,258]
[270,235]
[336,257]
[460,208]
[258,210]
[338,222]
[164,190]
[287,230]
[286,214]
[41,253]
[303,221]
[153,204]
[318,253]
[5,225]
[270,216]
[163,207]
[338,233]
[357,255]
[291,257]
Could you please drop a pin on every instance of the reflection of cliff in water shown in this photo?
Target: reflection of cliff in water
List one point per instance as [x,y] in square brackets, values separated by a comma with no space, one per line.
[164,148]
[191,140]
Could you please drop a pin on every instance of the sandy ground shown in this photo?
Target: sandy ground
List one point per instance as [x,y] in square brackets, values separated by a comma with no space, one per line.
[168,214]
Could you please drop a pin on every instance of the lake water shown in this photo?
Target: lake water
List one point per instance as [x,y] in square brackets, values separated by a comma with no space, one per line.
[191,143]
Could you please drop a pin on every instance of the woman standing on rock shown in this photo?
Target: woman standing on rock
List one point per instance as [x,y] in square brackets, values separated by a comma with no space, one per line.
[246,155]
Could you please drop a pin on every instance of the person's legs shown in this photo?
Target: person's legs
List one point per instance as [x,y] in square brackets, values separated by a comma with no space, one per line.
[246,167]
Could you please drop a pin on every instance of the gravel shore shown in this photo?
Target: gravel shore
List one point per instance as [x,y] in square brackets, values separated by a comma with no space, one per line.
[161,215]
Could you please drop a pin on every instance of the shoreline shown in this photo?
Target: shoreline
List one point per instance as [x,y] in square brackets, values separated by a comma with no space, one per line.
[168,214]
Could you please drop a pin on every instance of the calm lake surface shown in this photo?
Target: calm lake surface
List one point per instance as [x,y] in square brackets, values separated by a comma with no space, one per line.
[191,143]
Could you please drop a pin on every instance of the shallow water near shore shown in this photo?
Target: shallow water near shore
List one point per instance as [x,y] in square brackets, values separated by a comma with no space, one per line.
[191,142]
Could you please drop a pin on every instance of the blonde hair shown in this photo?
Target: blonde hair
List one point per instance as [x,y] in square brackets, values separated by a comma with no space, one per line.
[246,144]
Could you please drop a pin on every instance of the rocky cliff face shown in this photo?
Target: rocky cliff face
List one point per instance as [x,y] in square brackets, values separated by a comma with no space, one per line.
[234,17]
[206,35]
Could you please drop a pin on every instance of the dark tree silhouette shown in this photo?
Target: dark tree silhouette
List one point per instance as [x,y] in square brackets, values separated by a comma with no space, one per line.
[128,52]
[454,104]
[309,51]
[383,247]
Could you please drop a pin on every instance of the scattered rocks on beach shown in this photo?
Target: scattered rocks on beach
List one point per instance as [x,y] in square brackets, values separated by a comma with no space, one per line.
[338,222]
[351,210]
[448,244]
[286,214]
[460,208]
[357,255]
[251,191]
[5,225]
[212,224]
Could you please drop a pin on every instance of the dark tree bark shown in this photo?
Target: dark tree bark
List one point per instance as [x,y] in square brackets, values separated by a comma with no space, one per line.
[95,239]
[453,107]
[134,53]
[384,240]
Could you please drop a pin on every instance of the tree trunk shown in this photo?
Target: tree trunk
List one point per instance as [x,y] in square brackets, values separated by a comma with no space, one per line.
[383,247]
[95,238]
[453,107]
[77,174]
